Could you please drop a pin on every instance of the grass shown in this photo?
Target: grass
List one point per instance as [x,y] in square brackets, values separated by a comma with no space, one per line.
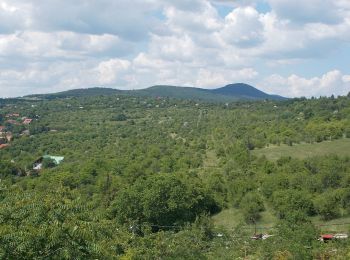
[339,225]
[301,151]
[211,159]
[232,218]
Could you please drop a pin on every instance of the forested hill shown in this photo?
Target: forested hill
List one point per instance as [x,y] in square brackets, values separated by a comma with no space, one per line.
[244,91]
[232,92]
[84,92]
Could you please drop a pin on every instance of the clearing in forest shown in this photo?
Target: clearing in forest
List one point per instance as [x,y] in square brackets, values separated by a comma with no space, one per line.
[339,147]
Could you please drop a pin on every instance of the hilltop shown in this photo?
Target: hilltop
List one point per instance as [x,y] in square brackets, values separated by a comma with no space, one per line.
[231,92]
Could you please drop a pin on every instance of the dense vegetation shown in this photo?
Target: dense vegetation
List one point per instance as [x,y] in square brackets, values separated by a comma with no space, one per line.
[142,178]
[229,93]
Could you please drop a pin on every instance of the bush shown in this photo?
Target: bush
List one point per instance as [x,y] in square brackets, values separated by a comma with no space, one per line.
[162,200]
[251,205]
[120,117]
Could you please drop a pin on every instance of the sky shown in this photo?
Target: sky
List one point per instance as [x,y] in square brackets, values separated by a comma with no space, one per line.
[291,48]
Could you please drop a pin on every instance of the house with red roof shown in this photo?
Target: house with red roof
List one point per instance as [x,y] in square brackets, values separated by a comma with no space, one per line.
[27,121]
[2,146]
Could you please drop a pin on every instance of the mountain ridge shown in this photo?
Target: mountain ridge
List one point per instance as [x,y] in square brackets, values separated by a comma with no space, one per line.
[230,92]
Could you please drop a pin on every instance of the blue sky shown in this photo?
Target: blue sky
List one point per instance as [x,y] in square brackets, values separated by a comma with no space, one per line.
[292,48]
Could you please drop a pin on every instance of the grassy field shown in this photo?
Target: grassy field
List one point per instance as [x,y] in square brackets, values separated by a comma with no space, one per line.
[339,147]
[232,218]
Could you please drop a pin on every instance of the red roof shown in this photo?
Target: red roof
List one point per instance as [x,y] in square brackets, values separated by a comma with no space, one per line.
[3,146]
[27,121]
[2,127]
[327,236]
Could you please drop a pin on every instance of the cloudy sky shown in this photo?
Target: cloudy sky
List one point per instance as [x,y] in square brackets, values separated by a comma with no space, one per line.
[292,48]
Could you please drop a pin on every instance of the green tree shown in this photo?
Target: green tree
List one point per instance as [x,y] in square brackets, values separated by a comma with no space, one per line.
[251,205]
[161,200]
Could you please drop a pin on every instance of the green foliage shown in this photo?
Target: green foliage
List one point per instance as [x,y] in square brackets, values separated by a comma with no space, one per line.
[9,169]
[327,205]
[251,205]
[169,163]
[162,200]
[120,117]
[288,202]
[48,163]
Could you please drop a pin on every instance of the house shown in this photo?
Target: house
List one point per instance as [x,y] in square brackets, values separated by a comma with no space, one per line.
[13,122]
[38,164]
[326,237]
[9,136]
[2,146]
[27,121]
[2,128]
[12,115]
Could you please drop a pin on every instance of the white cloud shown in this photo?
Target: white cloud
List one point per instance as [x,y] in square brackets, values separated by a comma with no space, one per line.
[310,11]
[108,71]
[294,86]
[60,44]
[67,45]
[215,78]
[243,27]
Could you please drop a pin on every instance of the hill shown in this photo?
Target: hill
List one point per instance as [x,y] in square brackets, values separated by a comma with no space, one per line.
[244,91]
[181,93]
[84,92]
[232,92]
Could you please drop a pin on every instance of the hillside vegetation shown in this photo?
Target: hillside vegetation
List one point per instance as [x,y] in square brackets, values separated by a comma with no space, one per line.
[162,178]
[229,93]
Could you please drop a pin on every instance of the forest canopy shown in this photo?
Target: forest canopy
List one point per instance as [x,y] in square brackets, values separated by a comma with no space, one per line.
[149,177]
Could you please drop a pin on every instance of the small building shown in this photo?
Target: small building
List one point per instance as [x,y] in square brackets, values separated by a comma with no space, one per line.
[326,237]
[12,122]
[38,164]
[9,136]
[12,115]
[27,121]
[2,128]
[2,146]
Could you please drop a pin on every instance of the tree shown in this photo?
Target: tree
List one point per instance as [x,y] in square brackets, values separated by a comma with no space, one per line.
[161,200]
[327,205]
[48,163]
[251,205]
[288,202]
[120,117]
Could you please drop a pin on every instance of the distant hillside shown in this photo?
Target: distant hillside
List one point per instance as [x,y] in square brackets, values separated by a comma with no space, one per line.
[180,93]
[84,92]
[244,91]
[232,92]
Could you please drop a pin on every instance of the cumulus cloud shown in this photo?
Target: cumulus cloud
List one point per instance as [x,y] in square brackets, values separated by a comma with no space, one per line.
[48,46]
[67,45]
[295,86]
[310,11]
[130,21]
[243,27]
[108,71]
